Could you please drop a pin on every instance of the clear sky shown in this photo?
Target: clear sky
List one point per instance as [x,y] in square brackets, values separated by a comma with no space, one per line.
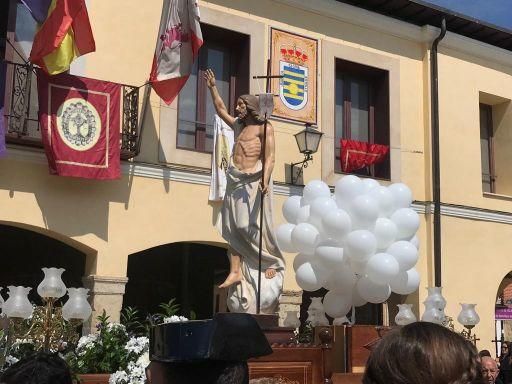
[498,12]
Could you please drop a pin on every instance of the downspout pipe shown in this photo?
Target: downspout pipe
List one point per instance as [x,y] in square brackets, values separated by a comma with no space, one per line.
[436,174]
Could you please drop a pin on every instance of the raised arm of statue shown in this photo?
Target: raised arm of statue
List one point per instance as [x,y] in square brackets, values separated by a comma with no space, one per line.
[219,105]
[268,162]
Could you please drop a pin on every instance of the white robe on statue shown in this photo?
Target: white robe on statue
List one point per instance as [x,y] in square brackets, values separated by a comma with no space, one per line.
[223,141]
[240,228]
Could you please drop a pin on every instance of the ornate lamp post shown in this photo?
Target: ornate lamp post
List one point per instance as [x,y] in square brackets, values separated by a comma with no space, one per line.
[47,325]
[307,141]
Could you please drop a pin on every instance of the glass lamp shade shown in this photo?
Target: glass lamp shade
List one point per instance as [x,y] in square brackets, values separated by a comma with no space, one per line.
[404,315]
[77,306]
[52,284]
[435,297]
[18,305]
[308,140]
[468,316]
[291,320]
[432,313]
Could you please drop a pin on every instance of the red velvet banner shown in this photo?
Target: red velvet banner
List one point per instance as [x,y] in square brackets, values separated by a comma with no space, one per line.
[80,125]
[359,154]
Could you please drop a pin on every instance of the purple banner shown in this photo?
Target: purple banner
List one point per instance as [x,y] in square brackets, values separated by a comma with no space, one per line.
[38,9]
[503,313]
[3,68]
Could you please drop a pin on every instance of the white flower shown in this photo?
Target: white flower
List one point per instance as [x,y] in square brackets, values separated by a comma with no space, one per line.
[143,360]
[136,373]
[10,360]
[115,327]
[137,344]
[119,377]
[86,342]
[175,319]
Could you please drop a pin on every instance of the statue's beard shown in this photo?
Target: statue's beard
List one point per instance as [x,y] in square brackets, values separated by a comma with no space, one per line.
[242,115]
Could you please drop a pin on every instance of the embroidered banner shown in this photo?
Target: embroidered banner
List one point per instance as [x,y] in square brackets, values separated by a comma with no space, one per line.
[295,58]
[359,154]
[80,125]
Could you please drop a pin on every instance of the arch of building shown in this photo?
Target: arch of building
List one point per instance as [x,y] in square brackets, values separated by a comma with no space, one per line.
[188,272]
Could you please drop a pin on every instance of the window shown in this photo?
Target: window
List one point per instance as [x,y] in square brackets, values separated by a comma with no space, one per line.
[227,54]
[361,111]
[486,148]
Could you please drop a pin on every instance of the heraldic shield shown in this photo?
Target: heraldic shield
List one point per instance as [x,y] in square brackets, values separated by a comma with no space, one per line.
[293,88]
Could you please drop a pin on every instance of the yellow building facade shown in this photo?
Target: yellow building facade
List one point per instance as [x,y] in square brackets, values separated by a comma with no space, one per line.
[162,197]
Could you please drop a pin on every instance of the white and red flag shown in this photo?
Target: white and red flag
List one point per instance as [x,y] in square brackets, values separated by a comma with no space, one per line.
[179,40]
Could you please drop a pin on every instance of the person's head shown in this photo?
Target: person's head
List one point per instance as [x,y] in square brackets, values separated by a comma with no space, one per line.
[423,353]
[505,348]
[484,352]
[248,105]
[489,369]
[42,368]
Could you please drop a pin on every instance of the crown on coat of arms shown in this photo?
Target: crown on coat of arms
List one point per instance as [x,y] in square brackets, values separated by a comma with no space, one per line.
[294,55]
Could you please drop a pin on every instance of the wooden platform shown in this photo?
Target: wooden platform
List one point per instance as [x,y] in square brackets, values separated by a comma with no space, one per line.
[347,378]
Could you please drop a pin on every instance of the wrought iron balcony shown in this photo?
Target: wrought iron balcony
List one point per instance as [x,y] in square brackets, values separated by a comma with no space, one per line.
[22,107]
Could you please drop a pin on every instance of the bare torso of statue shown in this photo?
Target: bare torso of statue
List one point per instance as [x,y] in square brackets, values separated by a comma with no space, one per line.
[247,149]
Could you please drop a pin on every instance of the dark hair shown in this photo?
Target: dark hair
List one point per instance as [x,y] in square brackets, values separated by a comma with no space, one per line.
[423,353]
[204,372]
[41,368]
[484,352]
[253,107]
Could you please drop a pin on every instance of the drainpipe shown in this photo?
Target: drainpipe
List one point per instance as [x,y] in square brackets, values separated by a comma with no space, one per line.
[436,174]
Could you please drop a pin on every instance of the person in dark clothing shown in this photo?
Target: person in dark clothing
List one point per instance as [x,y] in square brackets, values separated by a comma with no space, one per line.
[42,368]
[505,363]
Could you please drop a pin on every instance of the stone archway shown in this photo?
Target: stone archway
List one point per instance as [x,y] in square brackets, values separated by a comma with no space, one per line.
[25,252]
[186,271]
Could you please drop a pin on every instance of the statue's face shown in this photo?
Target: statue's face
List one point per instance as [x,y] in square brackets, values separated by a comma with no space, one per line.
[241,109]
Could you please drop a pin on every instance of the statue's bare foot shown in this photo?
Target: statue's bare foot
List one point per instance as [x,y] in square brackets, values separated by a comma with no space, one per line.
[233,278]
[270,273]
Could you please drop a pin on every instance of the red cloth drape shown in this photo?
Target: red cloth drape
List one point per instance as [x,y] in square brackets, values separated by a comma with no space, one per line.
[359,154]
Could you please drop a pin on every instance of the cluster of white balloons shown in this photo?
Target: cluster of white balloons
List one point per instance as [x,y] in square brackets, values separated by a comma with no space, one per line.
[359,243]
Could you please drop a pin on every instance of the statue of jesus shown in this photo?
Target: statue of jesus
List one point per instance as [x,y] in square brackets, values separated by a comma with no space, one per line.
[240,225]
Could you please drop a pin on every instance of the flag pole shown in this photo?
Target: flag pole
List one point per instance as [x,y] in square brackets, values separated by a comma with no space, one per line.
[262,195]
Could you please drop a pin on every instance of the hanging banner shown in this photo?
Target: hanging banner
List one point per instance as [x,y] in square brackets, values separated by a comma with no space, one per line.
[80,125]
[294,57]
[355,155]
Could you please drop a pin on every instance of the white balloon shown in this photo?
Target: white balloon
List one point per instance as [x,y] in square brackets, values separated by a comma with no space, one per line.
[407,223]
[384,198]
[360,245]
[329,256]
[385,232]
[284,237]
[357,300]
[405,253]
[337,223]
[337,304]
[315,189]
[300,259]
[363,211]
[372,292]
[347,188]
[402,195]
[305,237]
[415,241]
[381,268]
[303,214]
[358,267]
[291,208]
[310,276]
[406,282]
[369,184]
[342,279]
[319,208]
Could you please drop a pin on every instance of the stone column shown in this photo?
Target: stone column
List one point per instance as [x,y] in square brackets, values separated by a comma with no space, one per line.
[289,301]
[105,293]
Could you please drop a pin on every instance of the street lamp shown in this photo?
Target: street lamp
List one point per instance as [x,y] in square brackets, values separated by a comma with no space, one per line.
[307,141]
[468,318]
[47,325]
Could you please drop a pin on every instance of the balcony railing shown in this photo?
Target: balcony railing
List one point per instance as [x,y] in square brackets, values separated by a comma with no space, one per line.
[22,107]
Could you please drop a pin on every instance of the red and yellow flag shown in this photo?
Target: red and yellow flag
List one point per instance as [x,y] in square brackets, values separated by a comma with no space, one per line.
[65,34]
